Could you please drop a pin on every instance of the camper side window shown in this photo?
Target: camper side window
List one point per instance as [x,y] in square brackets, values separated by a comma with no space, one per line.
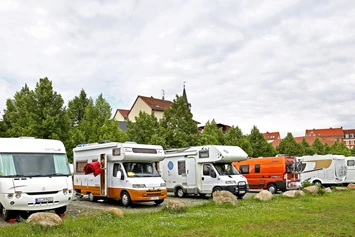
[257,168]
[206,169]
[116,168]
[351,163]
[181,167]
[244,169]
[80,166]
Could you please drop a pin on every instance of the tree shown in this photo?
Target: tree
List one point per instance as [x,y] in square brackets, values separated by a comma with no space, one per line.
[97,126]
[76,108]
[261,148]
[177,125]
[211,134]
[339,148]
[235,137]
[289,146]
[307,148]
[145,129]
[318,147]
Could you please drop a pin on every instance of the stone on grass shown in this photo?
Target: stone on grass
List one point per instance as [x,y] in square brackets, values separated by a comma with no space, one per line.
[175,206]
[223,196]
[328,190]
[351,186]
[263,195]
[115,211]
[341,188]
[45,219]
[311,189]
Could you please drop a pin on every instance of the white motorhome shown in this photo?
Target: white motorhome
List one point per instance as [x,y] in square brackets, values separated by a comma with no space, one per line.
[324,170]
[203,170]
[34,176]
[350,170]
[130,174]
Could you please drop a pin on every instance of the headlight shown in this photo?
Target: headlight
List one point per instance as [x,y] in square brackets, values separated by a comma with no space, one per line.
[18,194]
[230,182]
[10,195]
[138,185]
[242,183]
[163,185]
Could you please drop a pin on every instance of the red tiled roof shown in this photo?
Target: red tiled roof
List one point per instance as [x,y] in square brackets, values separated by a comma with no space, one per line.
[124,112]
[271,135]
[156,104]
[327,132]
[349,131]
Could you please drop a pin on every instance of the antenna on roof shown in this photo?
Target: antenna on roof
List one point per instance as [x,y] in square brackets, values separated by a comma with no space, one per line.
[163,94]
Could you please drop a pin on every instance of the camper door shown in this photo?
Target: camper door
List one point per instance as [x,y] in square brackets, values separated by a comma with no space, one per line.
[104,177]
[208,177]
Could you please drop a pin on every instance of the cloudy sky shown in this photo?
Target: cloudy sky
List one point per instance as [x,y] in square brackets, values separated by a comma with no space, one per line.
[282,66]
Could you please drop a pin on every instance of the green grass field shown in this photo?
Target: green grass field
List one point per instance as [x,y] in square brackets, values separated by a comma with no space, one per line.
[322,215]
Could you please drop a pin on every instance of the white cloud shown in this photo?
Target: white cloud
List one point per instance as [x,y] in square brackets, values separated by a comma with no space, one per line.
[280,65]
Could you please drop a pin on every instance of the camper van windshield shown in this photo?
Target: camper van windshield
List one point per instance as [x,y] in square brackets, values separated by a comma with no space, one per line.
[226,169]
[32,165]
[136,169]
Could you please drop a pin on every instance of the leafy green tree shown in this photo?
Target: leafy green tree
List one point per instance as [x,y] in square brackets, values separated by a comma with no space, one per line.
[211,134]
[339,148]
[261,148]
[352,151]
[318,147]
[145,129]
[306,147]
[235,137]
[97,126]
[76,108]
[289,146]
[326,149]
[177,125]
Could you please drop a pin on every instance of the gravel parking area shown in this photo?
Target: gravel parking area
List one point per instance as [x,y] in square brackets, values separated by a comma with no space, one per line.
[83,207]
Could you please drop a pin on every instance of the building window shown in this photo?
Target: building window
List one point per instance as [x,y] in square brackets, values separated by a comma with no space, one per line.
[346,135]
[352,135]
[347,142]
[352,142]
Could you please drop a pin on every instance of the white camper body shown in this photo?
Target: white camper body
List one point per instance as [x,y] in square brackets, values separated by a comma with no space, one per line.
[34,176]
[119,180]
[203,170]
[350,170]
[323,169]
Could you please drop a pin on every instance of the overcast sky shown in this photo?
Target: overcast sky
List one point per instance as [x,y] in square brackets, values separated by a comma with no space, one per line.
[283,66]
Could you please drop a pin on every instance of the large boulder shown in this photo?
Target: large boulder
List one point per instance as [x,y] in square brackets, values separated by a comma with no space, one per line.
[328,190]
[311,189]
[174,206]
[46,219]
[263,195]
[293,193]
[221,197]
[351,186]
[115,211]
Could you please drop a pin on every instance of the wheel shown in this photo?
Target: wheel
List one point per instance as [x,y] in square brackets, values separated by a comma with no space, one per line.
[158,202]
[6,215]
[60,210]
[179,192]
[318,183]
[92,198]
[272,188]
[216,189]
[125,199]
[240,196]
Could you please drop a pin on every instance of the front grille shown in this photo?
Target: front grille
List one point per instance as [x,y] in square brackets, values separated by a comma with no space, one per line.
[43,193]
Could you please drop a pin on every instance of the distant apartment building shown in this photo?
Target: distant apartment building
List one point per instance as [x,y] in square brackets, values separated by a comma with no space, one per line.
[271,136]
[349,138]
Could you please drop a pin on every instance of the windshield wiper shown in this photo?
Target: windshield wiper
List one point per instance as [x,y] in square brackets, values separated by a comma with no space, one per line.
[57,174]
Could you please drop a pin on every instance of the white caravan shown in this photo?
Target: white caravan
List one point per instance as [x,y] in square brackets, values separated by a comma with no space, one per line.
[130,173]
[34,176]
[323,169]
[203,170]
[350,172]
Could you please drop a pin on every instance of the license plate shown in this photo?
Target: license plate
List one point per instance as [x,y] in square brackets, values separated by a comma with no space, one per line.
[47,199]
[154,198]
[241,191]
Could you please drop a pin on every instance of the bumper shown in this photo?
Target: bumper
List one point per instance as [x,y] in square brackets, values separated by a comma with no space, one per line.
[147,195]
[236,189]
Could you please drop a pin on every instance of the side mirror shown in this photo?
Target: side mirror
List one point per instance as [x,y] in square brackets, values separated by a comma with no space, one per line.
[71,169]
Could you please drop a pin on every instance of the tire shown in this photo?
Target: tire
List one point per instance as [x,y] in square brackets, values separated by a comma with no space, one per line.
[5,214]
[158,202]
[92,198]
[272,188]
[125,199]
[240,196]
[179,192]
[318,183]
[216,189]
[61,210]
